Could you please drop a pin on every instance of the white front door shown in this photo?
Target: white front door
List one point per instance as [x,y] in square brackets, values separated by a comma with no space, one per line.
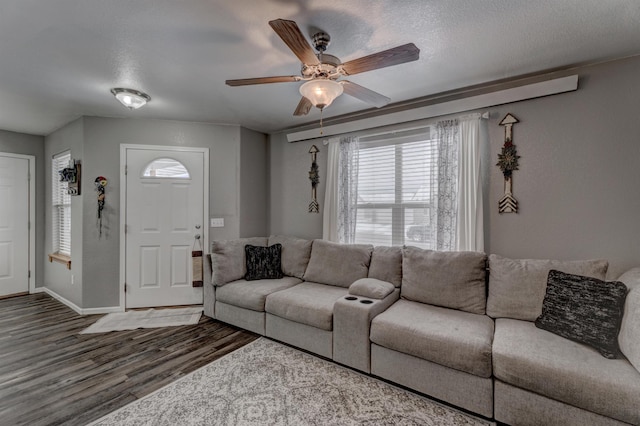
[14,225]
[164,213]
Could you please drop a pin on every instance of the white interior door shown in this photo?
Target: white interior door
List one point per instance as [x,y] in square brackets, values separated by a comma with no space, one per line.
[164,213]
[14,225]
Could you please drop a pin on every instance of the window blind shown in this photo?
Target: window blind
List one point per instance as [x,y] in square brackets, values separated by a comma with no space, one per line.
[397,188]
[61,205]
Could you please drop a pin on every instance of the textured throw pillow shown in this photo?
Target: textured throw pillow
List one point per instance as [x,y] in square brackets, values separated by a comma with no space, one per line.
[263,263]
[584,309]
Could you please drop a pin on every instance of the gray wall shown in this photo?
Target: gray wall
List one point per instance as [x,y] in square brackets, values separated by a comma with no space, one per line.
[56,276]
[577,185]
[290,190]
[254,184]
[19,143]
[103,137]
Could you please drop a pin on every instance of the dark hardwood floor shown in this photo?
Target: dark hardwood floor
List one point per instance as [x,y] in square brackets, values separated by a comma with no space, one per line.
[51,375]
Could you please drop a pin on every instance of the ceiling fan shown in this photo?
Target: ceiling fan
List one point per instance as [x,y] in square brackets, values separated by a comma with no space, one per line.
[321,71]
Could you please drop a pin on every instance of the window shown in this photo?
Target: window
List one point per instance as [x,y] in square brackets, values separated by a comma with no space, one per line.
[396,176]
[414,183]
[61,205]
[166,168]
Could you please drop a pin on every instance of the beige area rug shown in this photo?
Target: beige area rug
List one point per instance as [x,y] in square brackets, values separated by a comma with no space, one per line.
[267,383]
[150,318]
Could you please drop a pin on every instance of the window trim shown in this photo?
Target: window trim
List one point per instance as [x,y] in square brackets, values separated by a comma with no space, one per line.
[60,200]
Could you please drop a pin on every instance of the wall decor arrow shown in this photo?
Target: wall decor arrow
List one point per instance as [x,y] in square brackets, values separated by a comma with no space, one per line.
[508,162]
[314,177]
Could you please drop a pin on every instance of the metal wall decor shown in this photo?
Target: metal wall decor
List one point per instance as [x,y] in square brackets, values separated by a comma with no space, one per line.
[314,177]
[508,162]
[100,183]
[71,175]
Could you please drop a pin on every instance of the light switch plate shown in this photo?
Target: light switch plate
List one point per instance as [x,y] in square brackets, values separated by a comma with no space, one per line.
[217,222]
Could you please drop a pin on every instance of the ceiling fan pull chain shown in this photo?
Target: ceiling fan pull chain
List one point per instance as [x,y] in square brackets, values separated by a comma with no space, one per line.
[321,121]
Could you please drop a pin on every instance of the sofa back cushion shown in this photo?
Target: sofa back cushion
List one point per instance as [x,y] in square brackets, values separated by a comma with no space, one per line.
[338,264]
[449,279]
[295,254]
[517,286]
[228,261]
[386,264]
[629,337]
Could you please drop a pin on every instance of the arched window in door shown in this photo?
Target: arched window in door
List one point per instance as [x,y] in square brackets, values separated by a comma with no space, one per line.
[166,168]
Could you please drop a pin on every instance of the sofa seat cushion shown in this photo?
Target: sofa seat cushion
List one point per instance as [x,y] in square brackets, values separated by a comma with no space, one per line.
[252,294]
[544,363]
[449,337]
[307,303]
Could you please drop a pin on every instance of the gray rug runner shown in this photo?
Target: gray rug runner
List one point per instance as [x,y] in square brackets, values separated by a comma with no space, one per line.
[266,383]
[150,318]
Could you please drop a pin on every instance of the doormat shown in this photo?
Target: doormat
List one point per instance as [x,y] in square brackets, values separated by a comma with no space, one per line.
[151,318]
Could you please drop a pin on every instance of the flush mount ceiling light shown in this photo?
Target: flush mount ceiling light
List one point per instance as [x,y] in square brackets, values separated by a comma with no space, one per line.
[132,99]
[321,92]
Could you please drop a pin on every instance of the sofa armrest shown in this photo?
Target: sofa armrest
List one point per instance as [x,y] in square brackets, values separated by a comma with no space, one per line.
[371,288]
[629,337]
[209,297]
[352,317]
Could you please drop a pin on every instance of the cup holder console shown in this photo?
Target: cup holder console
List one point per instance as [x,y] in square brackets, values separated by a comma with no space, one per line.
[364,301]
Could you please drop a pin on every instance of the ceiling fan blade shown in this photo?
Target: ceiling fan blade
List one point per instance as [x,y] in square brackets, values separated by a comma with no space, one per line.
[364,94]
[292,36]
[397,55]
[263,80]
[303,107]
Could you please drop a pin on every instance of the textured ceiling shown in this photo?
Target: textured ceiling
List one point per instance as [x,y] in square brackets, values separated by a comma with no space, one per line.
[60,58]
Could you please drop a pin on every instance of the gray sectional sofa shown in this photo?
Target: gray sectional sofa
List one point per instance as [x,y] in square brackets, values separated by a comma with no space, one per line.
[458,326]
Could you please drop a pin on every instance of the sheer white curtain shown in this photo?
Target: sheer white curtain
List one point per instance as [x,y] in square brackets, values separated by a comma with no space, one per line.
[457,215]
[340,212]
[444,186]
[470,232]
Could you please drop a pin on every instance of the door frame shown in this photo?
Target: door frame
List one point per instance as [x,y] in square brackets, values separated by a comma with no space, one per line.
[32,215]
[123,203]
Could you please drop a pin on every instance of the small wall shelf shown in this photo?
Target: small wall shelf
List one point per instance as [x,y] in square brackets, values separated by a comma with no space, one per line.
[60,258]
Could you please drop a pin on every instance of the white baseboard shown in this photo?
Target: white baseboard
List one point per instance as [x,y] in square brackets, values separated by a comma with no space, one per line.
[79,310]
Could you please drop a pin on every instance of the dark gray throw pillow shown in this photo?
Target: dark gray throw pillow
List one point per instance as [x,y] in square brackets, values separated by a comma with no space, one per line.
[584,309]
[263,263]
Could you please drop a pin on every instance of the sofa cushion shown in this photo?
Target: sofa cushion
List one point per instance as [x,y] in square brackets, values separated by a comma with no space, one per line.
[629,337]
[228,259]
[371,288]
[449,337]
[307,303]
[252,294]
[386,264]
[263,262]
[295,254]
[338,264]
[449,279]
[517,286]
[584,309]
[544,363]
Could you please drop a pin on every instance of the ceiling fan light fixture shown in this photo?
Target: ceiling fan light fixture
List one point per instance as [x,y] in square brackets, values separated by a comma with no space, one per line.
[321,92]
[132,99]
